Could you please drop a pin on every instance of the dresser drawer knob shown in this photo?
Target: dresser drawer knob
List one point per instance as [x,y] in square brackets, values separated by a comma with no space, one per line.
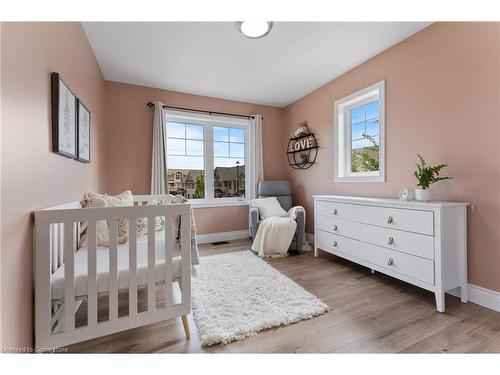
[335,227]
[391,241]
[389,220]
[335,211]
[334,243]
[390,262]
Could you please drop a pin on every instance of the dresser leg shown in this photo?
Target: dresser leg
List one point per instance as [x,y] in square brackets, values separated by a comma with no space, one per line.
[464,293]
[315,252]
[440,301]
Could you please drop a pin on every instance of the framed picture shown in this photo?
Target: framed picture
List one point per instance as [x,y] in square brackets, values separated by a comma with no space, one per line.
[63,118]
[83,133]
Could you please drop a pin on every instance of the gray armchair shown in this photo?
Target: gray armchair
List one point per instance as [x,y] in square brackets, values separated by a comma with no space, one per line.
[282,191]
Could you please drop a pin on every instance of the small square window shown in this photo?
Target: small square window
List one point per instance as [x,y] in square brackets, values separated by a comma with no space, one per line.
[359,136]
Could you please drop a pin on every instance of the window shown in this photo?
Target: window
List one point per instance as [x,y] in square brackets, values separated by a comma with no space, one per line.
[359,136]
[208,157]
[185,159]
[229,162]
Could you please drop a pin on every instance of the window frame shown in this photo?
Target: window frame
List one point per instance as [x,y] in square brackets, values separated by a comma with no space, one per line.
[209,122]
[343,134]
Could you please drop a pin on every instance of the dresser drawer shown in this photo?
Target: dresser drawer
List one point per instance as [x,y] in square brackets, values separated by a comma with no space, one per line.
[421,245]
[338,210]
[341,227]
[329,241]
[396,218]
[404,264]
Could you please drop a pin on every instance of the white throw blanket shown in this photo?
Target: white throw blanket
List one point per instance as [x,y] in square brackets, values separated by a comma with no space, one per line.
[274,236]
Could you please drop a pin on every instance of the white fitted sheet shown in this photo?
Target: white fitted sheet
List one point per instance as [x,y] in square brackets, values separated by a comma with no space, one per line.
[102,255]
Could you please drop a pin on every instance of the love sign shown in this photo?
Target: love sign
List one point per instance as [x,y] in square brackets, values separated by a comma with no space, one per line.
[302,151]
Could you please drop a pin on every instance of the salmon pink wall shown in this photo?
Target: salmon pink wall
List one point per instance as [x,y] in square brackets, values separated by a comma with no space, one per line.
[32,176]
[442,101]
[129,127]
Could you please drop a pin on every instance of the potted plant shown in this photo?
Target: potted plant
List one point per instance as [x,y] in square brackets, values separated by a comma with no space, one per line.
[427,175]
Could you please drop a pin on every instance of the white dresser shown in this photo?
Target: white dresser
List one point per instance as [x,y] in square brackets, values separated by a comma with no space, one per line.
[424,244]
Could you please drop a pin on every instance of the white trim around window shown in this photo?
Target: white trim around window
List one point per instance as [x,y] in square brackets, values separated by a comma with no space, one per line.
[342,134]
[209,122]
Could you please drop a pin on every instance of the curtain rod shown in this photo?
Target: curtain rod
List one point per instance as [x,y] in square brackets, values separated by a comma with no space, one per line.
[151,105]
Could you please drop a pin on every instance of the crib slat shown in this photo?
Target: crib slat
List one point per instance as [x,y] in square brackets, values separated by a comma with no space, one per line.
[60,246]
[92,274]
[169,243]
[53,246]
[69,277]
[113,270]
[132,273]
[151,264]
[42,284]
[186,258]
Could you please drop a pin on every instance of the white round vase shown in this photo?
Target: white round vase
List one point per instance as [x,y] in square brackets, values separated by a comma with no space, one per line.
[423,195]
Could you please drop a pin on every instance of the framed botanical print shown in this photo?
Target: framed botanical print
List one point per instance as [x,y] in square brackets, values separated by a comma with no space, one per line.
[63,118]
[83,132]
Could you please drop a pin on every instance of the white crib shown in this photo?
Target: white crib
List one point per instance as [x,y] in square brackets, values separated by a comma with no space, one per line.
[150,261]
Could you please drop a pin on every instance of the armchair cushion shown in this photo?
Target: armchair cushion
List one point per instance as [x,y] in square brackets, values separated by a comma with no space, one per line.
[268,207]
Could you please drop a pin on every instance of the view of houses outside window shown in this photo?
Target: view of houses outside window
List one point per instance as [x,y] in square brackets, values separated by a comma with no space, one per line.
[186,160]
[365,134]
[229,162]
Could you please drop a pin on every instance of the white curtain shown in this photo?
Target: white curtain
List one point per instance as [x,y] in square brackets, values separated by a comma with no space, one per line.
[258,169]
[159,161]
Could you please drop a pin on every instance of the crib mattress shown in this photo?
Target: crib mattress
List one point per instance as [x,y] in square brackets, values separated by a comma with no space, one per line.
[102,257]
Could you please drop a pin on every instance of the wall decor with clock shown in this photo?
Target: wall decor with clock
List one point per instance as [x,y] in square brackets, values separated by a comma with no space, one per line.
[302,148]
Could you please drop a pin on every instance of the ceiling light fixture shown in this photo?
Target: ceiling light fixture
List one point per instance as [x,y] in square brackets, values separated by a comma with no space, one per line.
[254,29]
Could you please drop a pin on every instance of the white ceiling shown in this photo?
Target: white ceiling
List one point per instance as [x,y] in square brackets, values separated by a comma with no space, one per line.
[214,59]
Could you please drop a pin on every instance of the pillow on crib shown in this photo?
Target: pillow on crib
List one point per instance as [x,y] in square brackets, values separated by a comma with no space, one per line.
[268,207]
[142,223]
[102,228]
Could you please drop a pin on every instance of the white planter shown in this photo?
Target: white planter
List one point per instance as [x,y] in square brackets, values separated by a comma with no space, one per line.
[423,195]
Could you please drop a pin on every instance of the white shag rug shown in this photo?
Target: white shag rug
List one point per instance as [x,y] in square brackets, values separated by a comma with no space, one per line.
[236,295]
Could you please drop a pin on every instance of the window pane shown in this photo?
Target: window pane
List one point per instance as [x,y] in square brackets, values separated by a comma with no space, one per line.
[372,110]
[237,135]
[357,131]
[185,160]
[194,148]
[229,178]
[229,162]
[176,130]
[365,142]
[221,149]
[237,150]
[365,155]
[372,127]
[357,115]
[188,182]
[221,134]
[194,131]
[365,130]
[176,147]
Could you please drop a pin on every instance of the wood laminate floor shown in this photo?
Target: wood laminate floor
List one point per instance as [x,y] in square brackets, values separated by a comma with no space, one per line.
[369,314]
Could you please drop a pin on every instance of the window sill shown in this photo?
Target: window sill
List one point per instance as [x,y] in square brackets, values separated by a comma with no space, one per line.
[359,179]
[215,203]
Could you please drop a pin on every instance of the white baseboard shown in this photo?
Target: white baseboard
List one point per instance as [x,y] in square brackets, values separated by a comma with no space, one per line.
[480,296]
[222,236]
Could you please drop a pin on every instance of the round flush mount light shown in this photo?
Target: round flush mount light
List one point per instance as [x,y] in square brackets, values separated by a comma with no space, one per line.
[254,29]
